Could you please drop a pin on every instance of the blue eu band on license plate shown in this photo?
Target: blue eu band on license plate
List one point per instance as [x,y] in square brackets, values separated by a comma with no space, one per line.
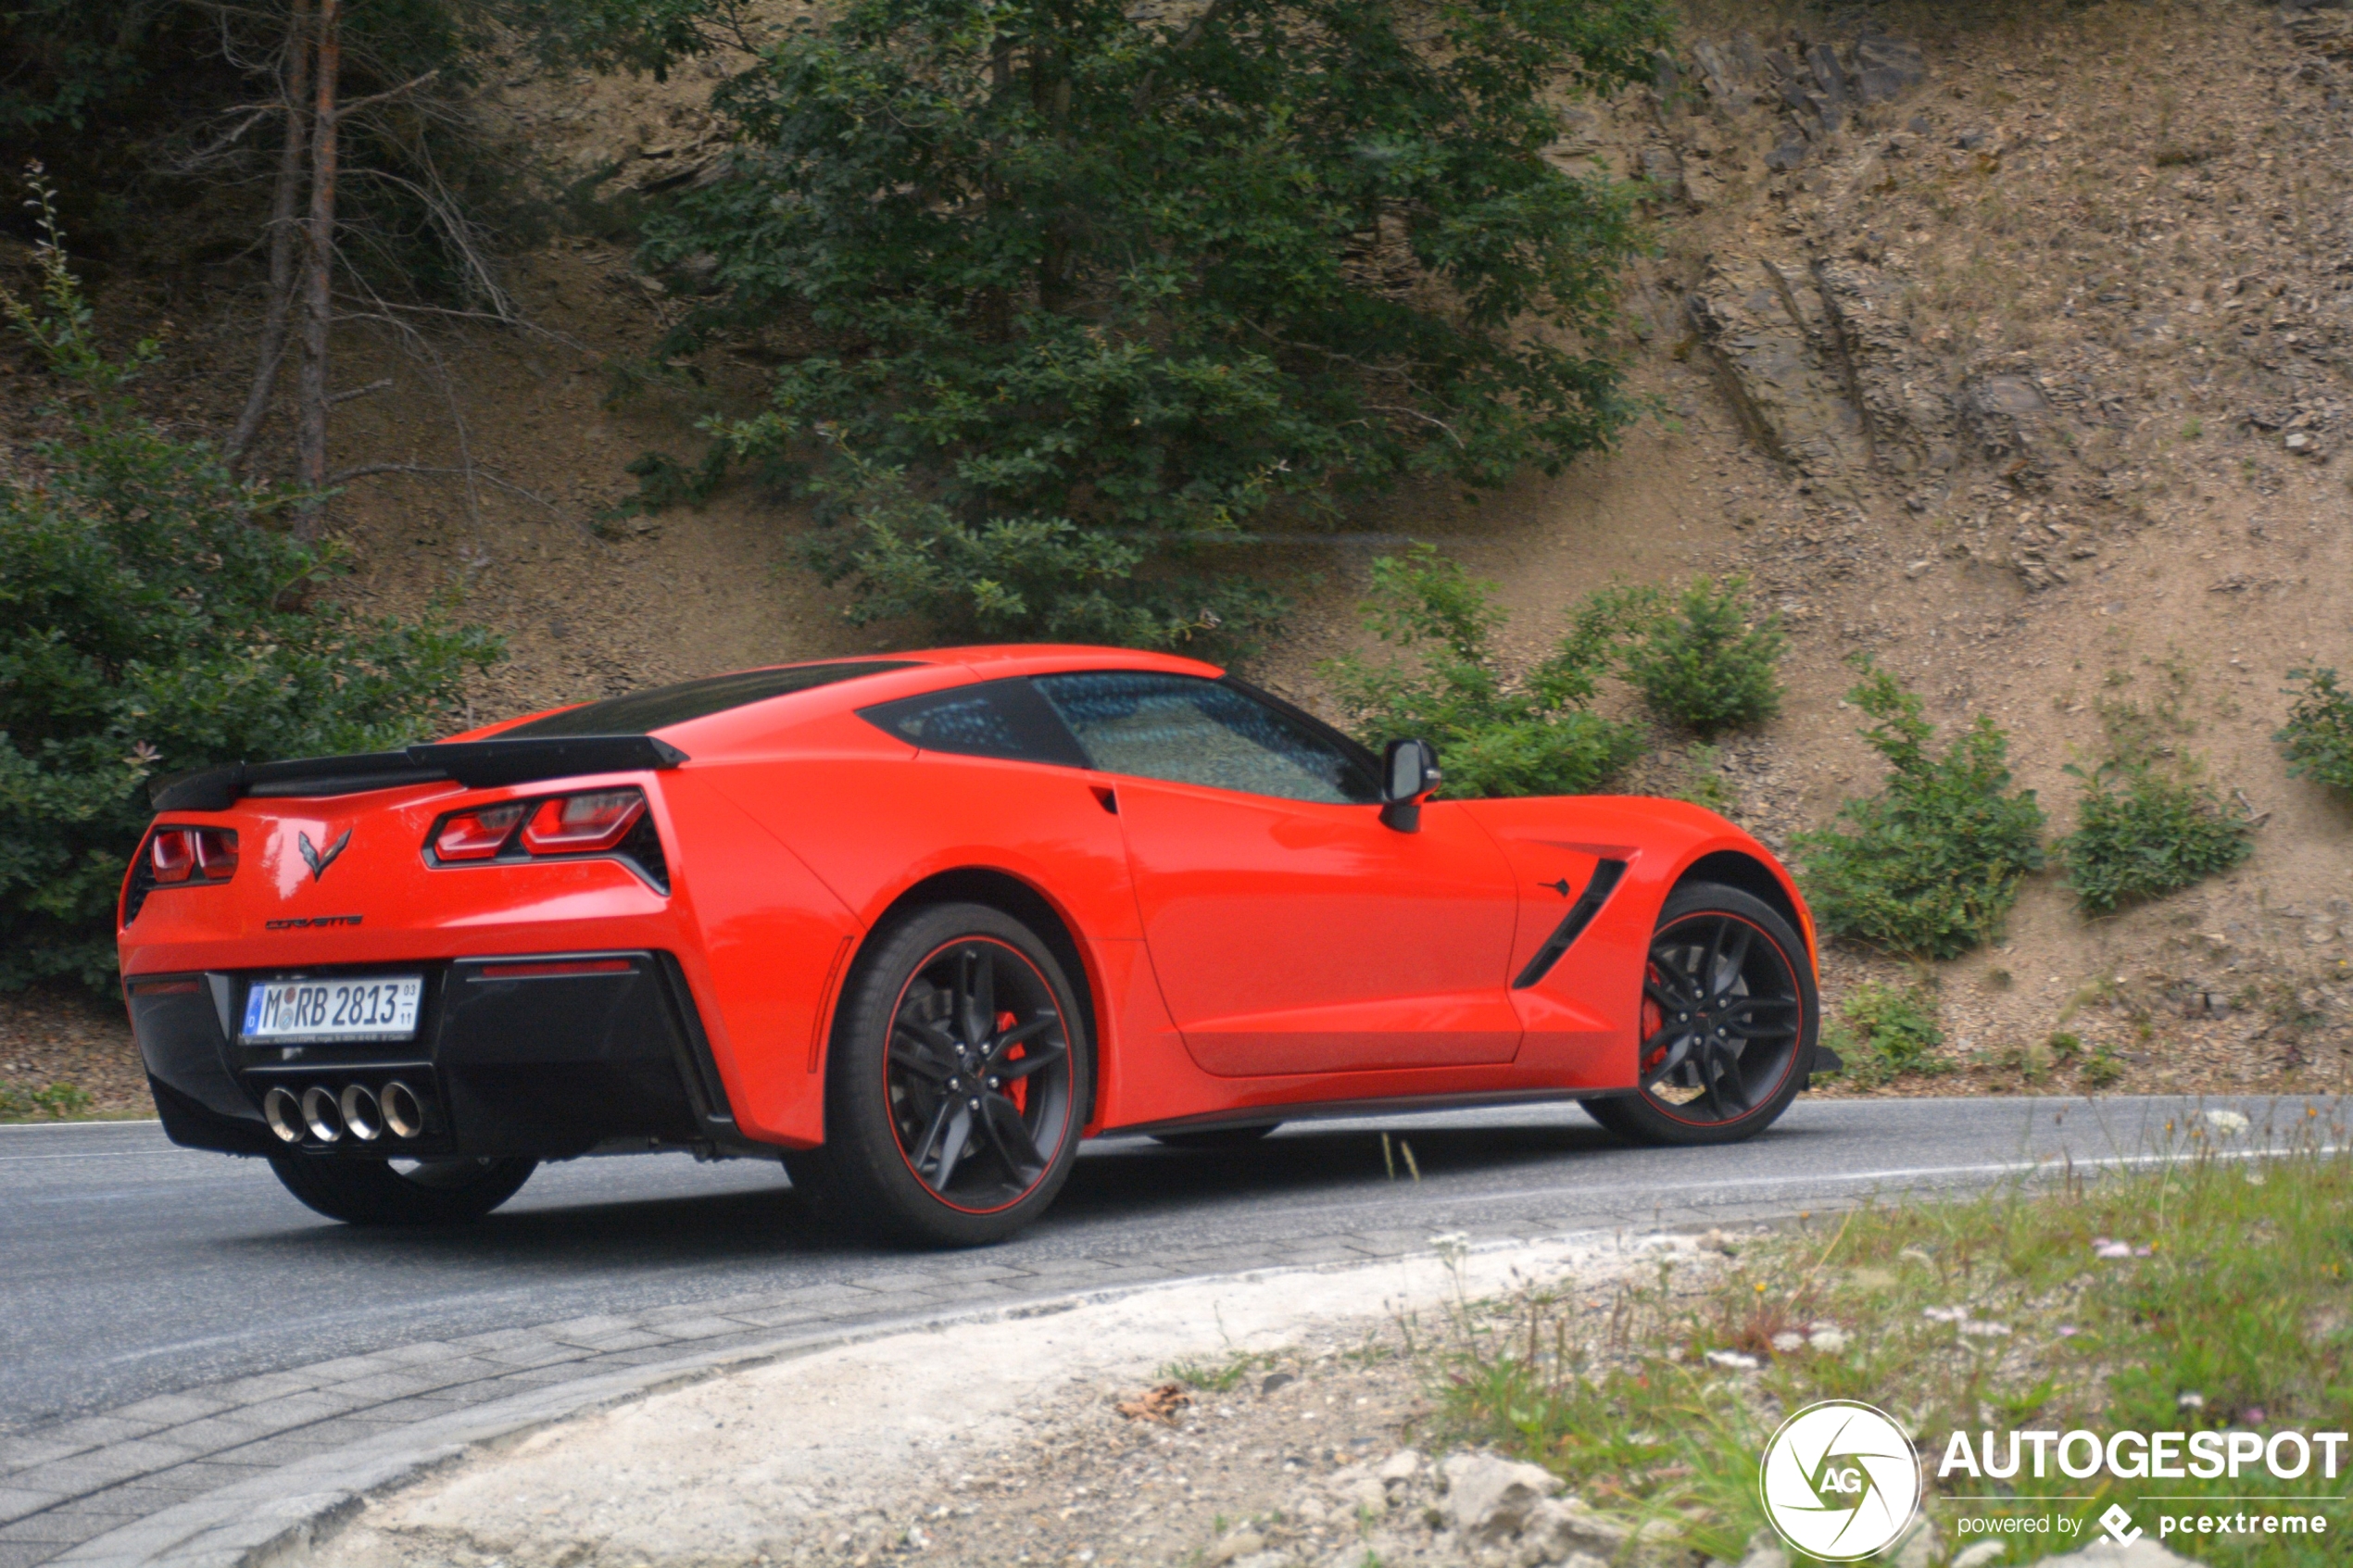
[351,1007]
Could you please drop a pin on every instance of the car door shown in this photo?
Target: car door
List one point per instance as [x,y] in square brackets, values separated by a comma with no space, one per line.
[1291,932]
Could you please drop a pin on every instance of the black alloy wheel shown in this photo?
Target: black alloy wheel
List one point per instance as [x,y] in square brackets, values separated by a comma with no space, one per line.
[1728,1019]
[958,1086]
[978,1068]
[402,1192]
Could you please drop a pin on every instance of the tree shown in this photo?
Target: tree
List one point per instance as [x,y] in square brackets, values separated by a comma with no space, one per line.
[1095,291]
[156,615]
[408,48]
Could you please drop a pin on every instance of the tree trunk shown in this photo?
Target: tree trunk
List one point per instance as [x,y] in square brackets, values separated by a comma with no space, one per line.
[286,235]
[311,433]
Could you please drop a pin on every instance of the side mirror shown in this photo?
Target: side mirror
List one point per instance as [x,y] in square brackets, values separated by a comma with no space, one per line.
[1408,776]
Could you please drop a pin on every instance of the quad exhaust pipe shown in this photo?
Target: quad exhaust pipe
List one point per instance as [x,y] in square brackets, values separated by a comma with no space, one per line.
[323,1115]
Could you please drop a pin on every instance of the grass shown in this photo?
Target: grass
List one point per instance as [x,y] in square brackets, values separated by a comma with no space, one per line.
[57,1102]
[1221,1376]
[2221,1301]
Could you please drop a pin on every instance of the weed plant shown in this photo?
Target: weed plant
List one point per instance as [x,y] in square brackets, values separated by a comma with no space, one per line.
[1703,664]
[2318,736]
[2204,1292]
[1930,865]
[1884,1033]
[2145,830]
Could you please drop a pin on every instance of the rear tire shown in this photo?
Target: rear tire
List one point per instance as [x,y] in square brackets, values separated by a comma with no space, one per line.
[959,1082]
[1729,1017]
[369,1192]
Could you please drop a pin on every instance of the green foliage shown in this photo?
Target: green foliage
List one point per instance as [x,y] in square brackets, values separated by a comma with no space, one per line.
[1097,292]
[2318,736]
[57,1102]
[1884,1032]
[1494,737]
[154,618]
[1703,665]
[2144,830]
[1931,864]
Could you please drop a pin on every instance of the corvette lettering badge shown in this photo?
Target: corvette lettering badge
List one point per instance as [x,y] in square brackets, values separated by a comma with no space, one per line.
[314,859]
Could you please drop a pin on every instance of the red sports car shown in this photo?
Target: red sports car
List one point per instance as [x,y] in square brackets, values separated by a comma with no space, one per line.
[916,924]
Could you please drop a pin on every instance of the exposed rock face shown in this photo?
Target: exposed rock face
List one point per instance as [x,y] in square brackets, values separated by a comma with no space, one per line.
[1811,336]
[1897,387]
[1770,334]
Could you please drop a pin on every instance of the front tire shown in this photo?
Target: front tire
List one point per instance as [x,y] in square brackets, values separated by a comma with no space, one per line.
[375,1192]
[1728,1019]
[958,1083]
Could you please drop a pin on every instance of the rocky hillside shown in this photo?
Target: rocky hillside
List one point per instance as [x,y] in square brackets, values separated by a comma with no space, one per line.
[2007,343]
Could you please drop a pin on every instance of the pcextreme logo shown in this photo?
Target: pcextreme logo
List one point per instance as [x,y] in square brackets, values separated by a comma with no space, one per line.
[1840,1481]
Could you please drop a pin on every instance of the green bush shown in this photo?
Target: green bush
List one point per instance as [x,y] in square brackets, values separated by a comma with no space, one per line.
[1703,665]
[1494,737]
[1088,289]
[1884,1033]
[1932,864]
[2318,736]
[2144,830]
[155,617]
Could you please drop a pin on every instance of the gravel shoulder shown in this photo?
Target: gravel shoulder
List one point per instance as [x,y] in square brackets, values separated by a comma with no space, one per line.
[1000,1443]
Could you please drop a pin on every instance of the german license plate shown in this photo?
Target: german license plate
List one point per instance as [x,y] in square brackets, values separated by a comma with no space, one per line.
[362,1007]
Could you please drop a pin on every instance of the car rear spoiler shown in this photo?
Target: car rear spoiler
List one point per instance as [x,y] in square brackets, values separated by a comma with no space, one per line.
[476,764]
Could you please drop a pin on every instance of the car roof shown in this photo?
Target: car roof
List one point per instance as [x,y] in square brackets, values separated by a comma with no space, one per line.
[883,677]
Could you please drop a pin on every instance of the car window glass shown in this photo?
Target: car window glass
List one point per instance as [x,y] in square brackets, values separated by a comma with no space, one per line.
[1192,731]
[994,718]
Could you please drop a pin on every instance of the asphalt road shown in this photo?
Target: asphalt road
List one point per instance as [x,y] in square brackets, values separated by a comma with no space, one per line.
[129,1268]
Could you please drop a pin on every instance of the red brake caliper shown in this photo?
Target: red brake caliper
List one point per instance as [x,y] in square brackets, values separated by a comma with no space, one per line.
[1018,1090]
[1653,1020]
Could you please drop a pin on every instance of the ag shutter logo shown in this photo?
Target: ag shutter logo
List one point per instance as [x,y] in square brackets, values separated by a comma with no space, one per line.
[1840,1481]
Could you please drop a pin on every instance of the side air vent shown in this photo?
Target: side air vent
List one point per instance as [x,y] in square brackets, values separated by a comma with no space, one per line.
[1581,915]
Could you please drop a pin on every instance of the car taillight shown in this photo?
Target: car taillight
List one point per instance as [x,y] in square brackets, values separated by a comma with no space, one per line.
[174,852]
[179,855]
[576,824]
[217,853]
[617,823]
[476,835]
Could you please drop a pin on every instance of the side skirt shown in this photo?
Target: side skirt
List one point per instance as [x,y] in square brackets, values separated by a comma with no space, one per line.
[1344,1110]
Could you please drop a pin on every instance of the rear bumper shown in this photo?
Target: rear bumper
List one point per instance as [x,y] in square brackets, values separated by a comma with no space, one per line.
[546,1055]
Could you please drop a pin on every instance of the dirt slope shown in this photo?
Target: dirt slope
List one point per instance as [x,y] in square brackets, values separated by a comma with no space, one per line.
[2009,349]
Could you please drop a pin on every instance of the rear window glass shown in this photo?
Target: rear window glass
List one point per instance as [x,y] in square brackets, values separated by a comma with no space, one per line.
[994,718]
[642,712]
